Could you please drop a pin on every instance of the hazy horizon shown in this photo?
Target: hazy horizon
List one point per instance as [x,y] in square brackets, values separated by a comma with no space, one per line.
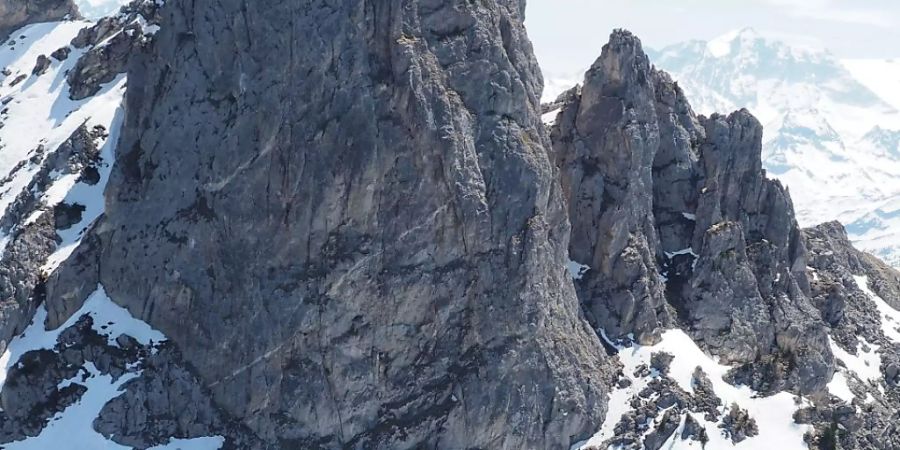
[569,34]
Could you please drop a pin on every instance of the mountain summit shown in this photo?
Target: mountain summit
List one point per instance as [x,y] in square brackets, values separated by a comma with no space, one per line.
[285,225]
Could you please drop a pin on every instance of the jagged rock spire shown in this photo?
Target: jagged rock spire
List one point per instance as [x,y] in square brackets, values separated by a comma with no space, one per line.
[679,223]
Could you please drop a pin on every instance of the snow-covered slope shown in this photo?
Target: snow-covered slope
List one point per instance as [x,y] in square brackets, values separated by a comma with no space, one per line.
[55,158]
[832,127]
[882,76]
[775,423]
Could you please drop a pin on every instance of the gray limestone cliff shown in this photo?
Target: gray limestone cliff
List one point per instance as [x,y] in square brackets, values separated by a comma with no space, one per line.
[315,204]
[353,230]
[679,224]
[846,283]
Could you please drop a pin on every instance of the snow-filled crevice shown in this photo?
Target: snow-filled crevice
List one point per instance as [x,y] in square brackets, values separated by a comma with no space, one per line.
[890,317]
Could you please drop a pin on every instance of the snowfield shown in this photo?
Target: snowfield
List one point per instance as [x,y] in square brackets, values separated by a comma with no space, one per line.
[41,105]
[773,415]
[73,428]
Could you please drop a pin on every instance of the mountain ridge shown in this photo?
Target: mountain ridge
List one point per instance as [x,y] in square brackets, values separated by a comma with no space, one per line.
[829,135]
[394,251]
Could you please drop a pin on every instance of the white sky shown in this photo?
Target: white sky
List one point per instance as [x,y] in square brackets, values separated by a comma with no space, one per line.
[568,34]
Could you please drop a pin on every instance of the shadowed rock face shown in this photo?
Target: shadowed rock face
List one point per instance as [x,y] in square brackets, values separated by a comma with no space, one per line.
[15,14]
[345,215]
[605,144]
[838,274]
[675,216]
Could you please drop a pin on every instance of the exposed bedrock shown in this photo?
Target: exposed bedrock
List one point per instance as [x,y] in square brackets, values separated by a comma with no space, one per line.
[679,224]
[345,216]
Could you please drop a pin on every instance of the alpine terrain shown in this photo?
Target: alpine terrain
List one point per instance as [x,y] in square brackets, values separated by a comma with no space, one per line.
[832,127]
[354,225]
[832,131]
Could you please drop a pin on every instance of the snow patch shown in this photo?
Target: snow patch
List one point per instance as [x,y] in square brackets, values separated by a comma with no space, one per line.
[576,270]
[109,319]
[685,251]
[69,190]
[73,428]
[840,389]
[549,118]
[773,415]
[890,317]
[866,363]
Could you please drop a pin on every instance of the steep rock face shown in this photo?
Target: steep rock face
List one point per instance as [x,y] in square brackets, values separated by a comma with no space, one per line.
[745,223]
[846,286]
[662,200]
[605,143]
[346,268]
[15,14]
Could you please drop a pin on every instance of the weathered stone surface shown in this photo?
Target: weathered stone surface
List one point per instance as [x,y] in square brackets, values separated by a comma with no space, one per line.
[348,268]
[29,245]
[15,14]
[168,401]
[605,141]
[61,54]
[738,425]
[694,431]
[41,65]
[673,212]
[112,41]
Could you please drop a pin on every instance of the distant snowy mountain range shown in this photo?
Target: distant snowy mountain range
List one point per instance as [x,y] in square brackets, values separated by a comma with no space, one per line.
[832,127]
[94,9]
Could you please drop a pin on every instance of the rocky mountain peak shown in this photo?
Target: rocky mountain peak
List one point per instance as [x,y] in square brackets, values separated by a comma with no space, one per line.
[676,218]
[376,243]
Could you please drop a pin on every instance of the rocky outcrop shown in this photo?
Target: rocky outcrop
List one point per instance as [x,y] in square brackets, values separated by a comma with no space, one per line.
[15,14]
[678,222]
[30,242]
[111,42]
[364,245]
[605,141]
[346,269]
[840,275]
